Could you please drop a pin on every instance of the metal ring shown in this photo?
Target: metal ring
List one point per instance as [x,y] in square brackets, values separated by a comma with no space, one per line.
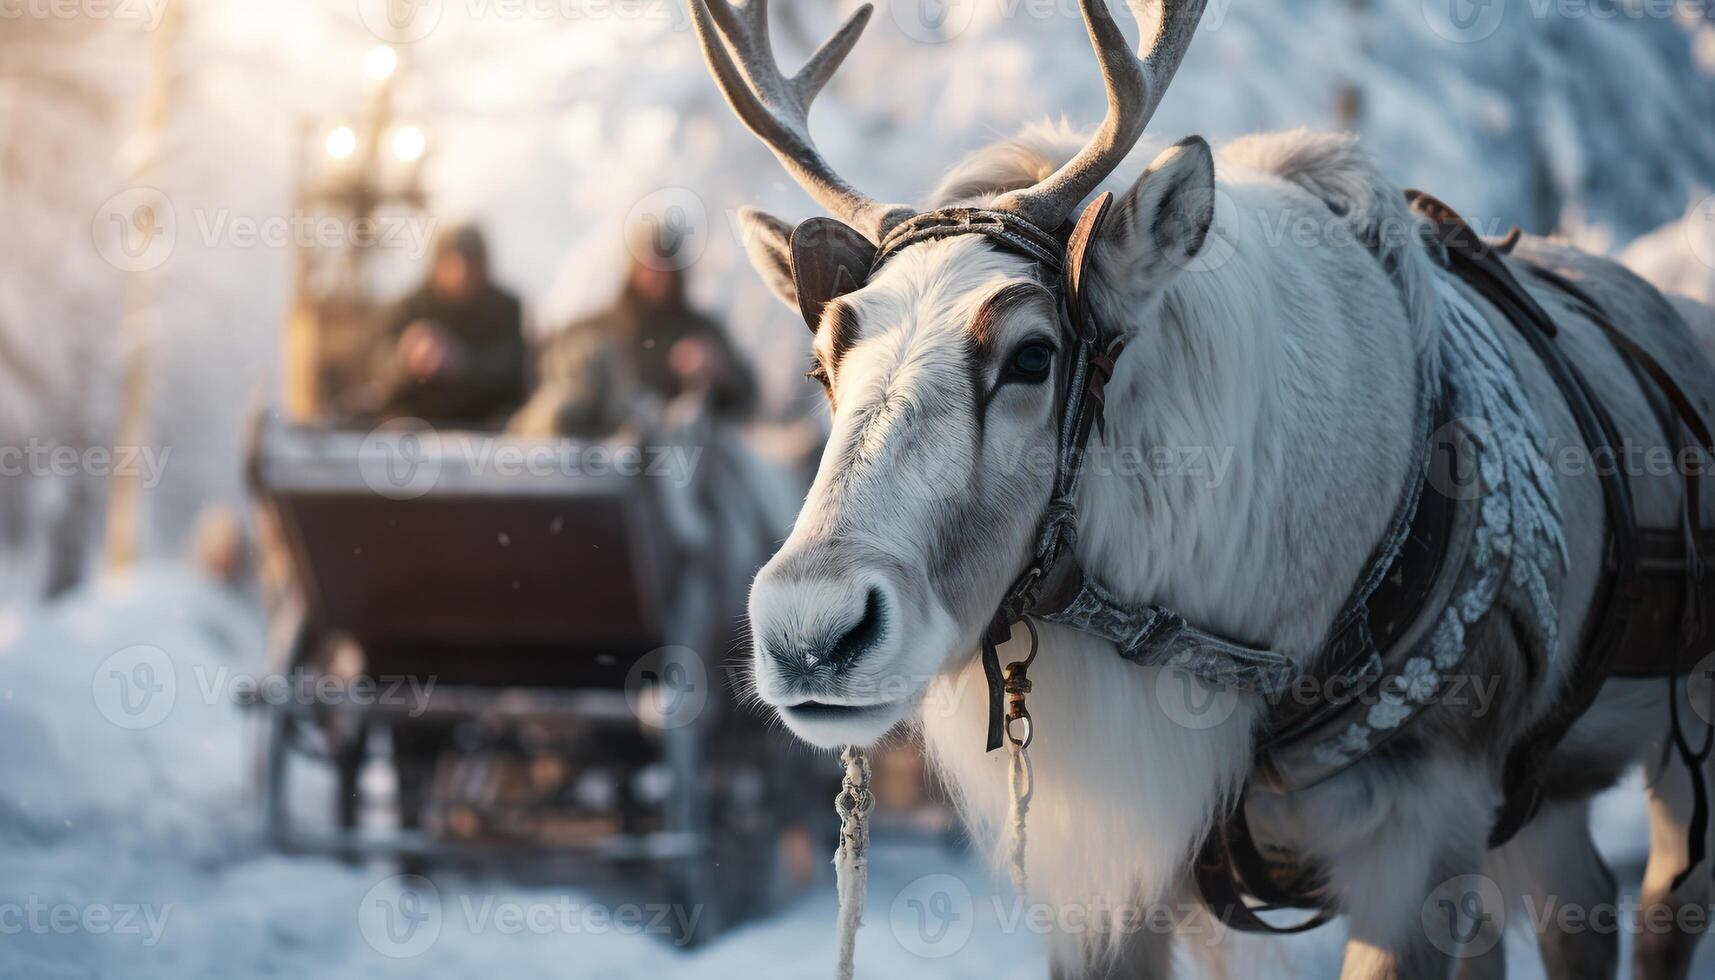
[1035,641]
[1029,730]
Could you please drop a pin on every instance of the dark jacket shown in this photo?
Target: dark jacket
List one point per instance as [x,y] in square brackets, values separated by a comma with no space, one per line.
[485,379]
[643,333]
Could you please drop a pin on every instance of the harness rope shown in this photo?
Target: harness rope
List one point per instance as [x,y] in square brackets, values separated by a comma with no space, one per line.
[1021,778]
[851,860]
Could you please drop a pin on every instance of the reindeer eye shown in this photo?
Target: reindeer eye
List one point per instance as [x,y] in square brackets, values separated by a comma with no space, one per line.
[1031,362]
[819,374]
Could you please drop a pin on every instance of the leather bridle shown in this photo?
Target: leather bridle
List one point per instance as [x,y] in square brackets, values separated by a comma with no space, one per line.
[830,259]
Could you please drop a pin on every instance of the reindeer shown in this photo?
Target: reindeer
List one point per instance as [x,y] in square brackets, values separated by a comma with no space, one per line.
[1307,359]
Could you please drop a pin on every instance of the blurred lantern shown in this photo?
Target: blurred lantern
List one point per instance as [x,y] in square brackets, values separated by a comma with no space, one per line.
[364,180]
[342,143]
[380,62]
[408,144]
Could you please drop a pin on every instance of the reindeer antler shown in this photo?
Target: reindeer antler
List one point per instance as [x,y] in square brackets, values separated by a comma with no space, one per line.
[1134,90]
[777,108]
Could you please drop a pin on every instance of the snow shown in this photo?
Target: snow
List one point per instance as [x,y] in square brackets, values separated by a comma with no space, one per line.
[130,846]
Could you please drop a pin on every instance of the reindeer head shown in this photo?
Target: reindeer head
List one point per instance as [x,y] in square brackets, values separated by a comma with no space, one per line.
[945,369]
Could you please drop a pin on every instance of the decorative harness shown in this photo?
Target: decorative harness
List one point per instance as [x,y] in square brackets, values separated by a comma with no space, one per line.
[1407,581]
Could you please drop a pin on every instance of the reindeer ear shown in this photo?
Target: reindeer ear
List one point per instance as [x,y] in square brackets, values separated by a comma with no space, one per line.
[765,241]
[1160,226]
[829,259]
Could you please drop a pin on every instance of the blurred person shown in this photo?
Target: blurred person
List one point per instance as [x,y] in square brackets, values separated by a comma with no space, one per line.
[453,351]
[648,343]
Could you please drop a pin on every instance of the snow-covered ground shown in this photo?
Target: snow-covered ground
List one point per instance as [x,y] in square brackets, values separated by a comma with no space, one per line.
[129,847]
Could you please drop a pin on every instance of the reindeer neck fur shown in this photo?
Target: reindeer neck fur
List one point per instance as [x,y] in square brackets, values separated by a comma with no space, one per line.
[1258,433]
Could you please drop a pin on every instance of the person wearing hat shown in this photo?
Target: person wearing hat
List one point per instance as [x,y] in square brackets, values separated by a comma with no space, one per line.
[649,341]
[454,350]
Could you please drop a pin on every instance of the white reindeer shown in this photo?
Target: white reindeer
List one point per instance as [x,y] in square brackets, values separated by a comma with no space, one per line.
[1304,357]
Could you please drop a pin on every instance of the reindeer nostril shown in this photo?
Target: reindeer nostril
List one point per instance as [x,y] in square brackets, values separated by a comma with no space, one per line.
[863,634]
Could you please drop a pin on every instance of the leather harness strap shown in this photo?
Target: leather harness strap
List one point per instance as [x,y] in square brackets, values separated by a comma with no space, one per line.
[1400,577]
[1624,592]
[1480,265]
[1652,595]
